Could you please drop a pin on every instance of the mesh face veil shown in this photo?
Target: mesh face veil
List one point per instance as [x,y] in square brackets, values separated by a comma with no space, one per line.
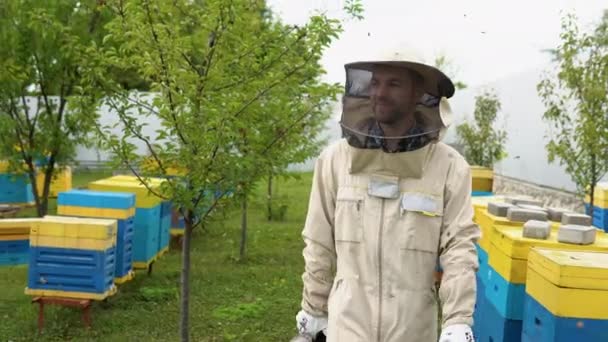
[362,127]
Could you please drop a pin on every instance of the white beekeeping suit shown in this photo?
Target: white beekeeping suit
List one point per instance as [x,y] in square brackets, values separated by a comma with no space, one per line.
[389,203]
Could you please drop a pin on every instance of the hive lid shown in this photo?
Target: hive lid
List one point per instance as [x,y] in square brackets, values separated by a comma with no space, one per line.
[571,269]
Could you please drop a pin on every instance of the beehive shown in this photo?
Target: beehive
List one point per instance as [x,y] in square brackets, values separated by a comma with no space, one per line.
[72,257]
[146,240]
[482,178]
[508,258]
[15,241]
[97,204]
[566,296]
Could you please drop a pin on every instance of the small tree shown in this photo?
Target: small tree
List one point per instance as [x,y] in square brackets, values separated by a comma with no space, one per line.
[576,101]
[47,55]
[483,144]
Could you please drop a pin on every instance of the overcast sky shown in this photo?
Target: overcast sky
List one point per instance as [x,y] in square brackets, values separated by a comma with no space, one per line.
[486,39]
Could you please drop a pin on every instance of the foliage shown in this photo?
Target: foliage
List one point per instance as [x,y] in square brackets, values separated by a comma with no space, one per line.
[483,144]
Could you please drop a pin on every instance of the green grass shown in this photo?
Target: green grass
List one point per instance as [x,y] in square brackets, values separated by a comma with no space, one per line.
[255,300]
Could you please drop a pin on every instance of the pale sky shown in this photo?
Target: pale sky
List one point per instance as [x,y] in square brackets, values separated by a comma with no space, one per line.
[486,39]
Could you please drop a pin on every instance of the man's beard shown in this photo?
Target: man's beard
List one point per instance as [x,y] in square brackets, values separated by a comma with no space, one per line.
[389,117]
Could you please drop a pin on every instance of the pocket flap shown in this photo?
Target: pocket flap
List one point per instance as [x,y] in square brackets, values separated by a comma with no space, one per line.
[349,194]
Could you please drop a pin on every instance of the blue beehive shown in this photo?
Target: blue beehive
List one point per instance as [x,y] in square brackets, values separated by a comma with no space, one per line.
[14,252]
[505,297]
[165,226]
[146,240]
[147,233]
[113,205]
[540,325]
[480,307]
[493,327]
[71,270]
[72,257]
[600,216]
[482,272]
[15,189]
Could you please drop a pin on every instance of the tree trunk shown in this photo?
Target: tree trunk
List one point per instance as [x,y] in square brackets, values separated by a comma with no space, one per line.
[243,228]
[31,173]
[185,283]
[269,197]
[46,188]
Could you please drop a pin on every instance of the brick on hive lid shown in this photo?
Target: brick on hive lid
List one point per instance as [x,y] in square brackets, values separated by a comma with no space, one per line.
[534,229]
[517,214]
[576,219]
[576,234]
[499,209]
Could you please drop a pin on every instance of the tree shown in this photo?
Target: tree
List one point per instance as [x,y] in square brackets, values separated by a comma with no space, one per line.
[576,101]
[483,144]
[45,52]
[46,57]
[228,86]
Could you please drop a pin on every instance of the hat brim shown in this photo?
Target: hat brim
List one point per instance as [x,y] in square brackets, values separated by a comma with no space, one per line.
[435,82]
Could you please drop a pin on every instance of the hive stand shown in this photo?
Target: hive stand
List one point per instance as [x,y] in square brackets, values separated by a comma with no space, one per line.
[84,304]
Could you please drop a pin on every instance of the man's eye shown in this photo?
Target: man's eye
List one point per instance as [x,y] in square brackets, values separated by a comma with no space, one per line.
[395,84]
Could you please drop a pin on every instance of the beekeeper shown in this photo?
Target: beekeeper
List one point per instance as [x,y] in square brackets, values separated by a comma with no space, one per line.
[390,202]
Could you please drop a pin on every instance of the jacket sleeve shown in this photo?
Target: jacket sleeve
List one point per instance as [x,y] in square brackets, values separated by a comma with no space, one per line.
[458,255]
[319,251]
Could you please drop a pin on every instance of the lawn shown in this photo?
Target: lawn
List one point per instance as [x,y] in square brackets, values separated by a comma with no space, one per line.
[254,300]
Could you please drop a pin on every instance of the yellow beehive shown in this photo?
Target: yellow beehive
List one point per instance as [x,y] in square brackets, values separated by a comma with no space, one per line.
[482,178]
[122,214]
[569,283]
[508,254]
[150,165]
[5,164]
[143,197]
[62,181]
[75,233]
[16,227]
[600,198]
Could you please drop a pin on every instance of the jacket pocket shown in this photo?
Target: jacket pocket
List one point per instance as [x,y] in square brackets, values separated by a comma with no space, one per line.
[421,222]
[349,215]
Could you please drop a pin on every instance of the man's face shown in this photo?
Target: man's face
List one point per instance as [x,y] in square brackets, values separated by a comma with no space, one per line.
[393,94]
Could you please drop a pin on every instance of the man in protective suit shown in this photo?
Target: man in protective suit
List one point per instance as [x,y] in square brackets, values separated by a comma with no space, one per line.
[389,203]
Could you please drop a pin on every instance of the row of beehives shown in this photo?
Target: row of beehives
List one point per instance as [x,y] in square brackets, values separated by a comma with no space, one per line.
[101,235]
[543,273]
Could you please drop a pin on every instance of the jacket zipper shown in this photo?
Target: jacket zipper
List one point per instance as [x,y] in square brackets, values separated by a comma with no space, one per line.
[380,231]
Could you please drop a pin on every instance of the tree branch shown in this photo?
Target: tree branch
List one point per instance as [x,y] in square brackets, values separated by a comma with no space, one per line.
[260,72]
[165,71]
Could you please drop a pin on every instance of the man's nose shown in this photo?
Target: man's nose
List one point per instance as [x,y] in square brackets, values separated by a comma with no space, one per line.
[380,90]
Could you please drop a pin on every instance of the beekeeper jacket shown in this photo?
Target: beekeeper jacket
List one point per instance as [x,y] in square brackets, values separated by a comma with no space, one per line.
[370,261]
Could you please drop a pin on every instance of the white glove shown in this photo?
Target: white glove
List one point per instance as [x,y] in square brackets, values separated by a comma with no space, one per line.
[457,333]
[310,325]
